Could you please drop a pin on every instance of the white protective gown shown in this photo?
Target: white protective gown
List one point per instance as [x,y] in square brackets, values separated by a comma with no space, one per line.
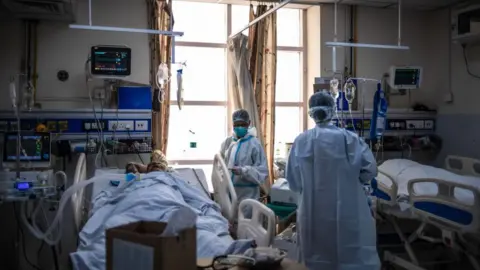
[248,154]
[327,166]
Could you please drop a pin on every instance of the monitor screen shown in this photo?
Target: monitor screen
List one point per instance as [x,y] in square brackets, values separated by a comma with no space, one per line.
[35,147]
[407,76]
[111,61]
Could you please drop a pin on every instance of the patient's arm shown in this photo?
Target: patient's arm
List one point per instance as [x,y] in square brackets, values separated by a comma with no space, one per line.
[158,162]
[133,167]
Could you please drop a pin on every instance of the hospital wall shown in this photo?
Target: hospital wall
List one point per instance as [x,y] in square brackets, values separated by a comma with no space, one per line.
[61,48]
[428,35]
[379,26]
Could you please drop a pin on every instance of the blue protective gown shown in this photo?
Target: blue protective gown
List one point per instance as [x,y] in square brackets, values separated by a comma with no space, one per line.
[248,154]
[328,166]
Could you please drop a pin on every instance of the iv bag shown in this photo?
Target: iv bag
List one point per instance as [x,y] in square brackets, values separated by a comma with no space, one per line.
[162,74]
[350,90]
[334,88]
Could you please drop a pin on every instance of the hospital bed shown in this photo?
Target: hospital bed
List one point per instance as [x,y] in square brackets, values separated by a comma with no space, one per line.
[448,199]
[251,228]
[261,225]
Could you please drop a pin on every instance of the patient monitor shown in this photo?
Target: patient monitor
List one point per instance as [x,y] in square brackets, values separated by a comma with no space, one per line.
[405,78]
[35,150]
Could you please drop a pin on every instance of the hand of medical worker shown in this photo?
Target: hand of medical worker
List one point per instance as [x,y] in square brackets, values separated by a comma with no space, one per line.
[237,170]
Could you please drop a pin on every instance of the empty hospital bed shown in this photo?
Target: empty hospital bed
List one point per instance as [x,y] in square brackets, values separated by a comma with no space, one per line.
[448,199]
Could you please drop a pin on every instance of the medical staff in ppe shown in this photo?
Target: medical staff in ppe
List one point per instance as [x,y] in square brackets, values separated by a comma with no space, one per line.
[245,157]
[328,166]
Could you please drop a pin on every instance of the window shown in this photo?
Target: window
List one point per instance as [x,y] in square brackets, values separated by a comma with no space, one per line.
[287,124]
[208,28]
[206,126]
[289,81]
[203,64]
[288,24]
[240,18]
[203,119]
[289,27]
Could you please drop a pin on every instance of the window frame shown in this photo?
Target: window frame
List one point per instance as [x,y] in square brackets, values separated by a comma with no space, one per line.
[302,104]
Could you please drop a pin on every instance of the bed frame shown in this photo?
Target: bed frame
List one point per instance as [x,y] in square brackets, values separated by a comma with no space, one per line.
[261,226]
[78,199]
[456,220]
[225,193]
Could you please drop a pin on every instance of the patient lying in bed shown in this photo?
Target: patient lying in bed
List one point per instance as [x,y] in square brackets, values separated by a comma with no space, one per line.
[159,194]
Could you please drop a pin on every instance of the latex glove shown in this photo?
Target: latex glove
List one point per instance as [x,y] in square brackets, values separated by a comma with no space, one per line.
[237,170]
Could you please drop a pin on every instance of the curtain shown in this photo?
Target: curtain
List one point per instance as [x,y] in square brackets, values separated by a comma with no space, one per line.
[263,71]
[240,89]
[160,17]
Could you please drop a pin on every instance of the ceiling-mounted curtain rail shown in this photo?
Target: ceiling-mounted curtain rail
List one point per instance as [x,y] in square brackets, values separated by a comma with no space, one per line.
[263,16]
[90,26]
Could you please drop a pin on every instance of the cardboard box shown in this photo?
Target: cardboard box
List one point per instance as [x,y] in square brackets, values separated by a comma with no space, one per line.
[139,246]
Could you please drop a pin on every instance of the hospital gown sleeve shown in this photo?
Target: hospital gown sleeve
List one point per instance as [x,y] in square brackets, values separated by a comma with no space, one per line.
[258,172]
[292,173]
[368,169]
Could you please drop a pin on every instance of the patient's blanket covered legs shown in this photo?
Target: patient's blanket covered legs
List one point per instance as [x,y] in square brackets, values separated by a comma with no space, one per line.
[155,198]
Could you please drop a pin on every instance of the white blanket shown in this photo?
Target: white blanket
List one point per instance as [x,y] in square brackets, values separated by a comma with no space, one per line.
[402,171]
[154,198]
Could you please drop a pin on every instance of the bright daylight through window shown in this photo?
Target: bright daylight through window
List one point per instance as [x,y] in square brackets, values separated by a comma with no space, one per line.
[204,118]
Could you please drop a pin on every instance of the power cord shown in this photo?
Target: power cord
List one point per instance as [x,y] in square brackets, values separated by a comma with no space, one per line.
[134,147]
[467,65]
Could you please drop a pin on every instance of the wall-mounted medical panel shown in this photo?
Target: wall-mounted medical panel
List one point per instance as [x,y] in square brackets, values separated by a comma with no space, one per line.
[79,121]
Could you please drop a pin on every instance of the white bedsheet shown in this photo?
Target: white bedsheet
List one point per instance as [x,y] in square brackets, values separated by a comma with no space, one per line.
[402,171]
[154,198]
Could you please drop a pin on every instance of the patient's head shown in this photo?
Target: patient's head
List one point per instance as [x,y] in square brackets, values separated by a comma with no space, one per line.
[158,162]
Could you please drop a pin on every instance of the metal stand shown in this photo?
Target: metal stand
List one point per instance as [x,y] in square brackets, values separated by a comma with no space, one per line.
[413,263]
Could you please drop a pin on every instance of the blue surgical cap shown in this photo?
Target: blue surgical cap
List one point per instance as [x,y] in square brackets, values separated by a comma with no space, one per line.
[241,115]
[322,107]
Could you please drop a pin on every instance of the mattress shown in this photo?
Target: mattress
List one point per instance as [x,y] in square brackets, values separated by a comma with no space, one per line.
[402,171]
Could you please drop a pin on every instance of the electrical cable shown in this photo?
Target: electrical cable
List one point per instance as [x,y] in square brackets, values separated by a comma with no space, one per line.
[53,248]
[467,65]
[136,149]
[97,121]
[66,198]
[22,236]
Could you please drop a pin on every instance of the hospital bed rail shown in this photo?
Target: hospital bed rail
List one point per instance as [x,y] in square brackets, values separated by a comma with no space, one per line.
[468,166]
[386,194]
[78,199]
[261,226]
[223,191]
[253,227]
[443,209]
[455,218]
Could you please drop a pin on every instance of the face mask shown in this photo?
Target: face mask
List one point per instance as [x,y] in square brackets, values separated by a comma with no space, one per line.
[240,131]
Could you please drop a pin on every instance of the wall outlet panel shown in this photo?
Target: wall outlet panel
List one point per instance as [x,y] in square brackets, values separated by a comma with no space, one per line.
[121,125]
[66,125]
[141,125]
[415,124]
[92,125]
